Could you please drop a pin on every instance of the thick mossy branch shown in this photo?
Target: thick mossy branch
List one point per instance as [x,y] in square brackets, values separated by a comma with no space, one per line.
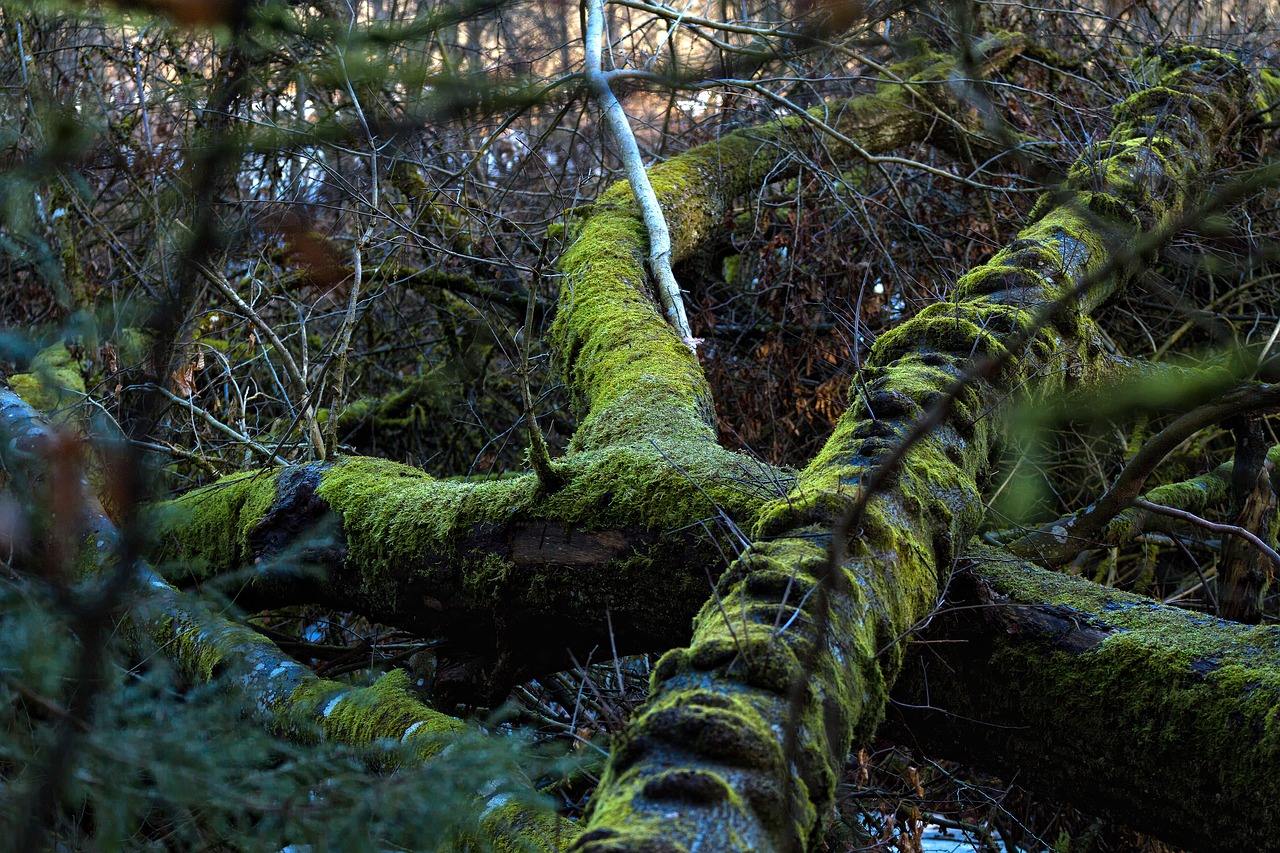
[767,657]
[505,570]
[384,717]
[1195,495]
[54,381]
[633,376]
[291,698]
[1158,718]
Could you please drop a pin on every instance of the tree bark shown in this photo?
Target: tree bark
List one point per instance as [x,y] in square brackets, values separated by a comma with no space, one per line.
[747,730]
[1160,719]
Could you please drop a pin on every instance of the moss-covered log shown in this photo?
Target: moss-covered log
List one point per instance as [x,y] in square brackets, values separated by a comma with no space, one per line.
[516,580]
[749,727]
[386,717]
[710,761]
[1158,718]
[512,575]
[635,379]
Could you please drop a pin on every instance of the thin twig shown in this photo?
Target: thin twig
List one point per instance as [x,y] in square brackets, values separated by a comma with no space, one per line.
[549,475]
[219,281]
[1216,527]
[226,430]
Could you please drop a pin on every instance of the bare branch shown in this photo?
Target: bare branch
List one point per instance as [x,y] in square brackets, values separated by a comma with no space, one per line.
[654,220]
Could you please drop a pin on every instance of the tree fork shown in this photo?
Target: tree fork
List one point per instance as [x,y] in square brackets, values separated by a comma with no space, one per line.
[634,378]
[643,461]
[703,762]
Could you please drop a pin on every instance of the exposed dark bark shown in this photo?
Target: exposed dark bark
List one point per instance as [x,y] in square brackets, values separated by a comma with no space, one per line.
[1246,574]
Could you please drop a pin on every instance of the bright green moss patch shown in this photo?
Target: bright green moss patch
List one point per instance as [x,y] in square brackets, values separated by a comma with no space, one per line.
[195,651]
[513,826]
[1267,92]
[54,381]
[628,369]
[384,711]
[208,530]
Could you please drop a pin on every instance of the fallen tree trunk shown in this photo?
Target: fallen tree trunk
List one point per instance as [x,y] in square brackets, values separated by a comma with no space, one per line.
[386,719]
[499,568]
[748,729]
[1157,718]
[517,581]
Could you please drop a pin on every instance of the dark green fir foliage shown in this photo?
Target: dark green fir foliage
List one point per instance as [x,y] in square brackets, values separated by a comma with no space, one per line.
[161,765]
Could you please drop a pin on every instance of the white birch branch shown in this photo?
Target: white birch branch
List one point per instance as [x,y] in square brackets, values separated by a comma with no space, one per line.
[654,221]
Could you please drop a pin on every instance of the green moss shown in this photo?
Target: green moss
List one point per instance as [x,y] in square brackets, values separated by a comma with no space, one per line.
[631,375]
[385,711]
[514,827]
[630,372]
[54,381]
[208,530]
[487,579]
[732,266]
[1267,93]
[190,647]
[1191,684]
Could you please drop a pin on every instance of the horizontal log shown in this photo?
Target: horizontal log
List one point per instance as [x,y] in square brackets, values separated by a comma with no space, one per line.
[518,581]
[1161,719]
